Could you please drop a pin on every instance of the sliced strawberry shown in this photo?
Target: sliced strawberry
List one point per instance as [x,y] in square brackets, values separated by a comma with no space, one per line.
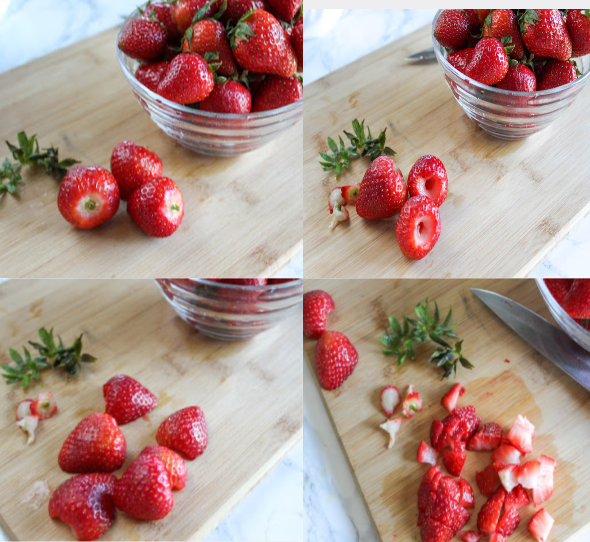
[467,499]
[436,435]
[471,536]
[448,512]
[447,486]
[528,474]
[508,523]
[449,400]
[507,454]
[455,459]
[28,424]
[516,499]
[508,476]
[412,403]
[488,516]
[544,488]
[390,398]
[427,454]
[23,409]
[521,435]
[434,531]
[486,438]
[426,487]
[392,427]
[340,214]
[487,480]
[44,407]
[540,525]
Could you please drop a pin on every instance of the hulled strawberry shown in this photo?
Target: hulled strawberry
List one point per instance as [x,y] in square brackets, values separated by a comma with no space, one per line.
[275,92]
[184,12]
[126,399]
[163,13]
[143,39]
[188,79]
[489,63]
[208,36]
[452,29]
[540,526]
[228,97]
[284,9]
[44,407]
[556,73]
[418,227]
[578,27]
[185,432]
[335,359]
[502,23]
[150,75]
[544,33]
[175,465]
[460,59]
[518,78]
[317,305]
[428,177]
[297,42]
[577,301]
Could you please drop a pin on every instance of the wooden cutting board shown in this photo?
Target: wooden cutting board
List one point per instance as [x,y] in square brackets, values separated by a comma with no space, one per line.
[509,203]
[529,385]
[250,393]
[242,214]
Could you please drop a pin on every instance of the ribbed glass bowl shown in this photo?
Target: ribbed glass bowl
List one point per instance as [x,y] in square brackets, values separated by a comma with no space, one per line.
[204,132]
[507,114]
[231,312]
[565,321]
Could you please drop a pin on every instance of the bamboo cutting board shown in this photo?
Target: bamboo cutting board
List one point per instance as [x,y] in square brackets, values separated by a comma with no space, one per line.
[250,393]
[529,385]
[509,203]
[242,214]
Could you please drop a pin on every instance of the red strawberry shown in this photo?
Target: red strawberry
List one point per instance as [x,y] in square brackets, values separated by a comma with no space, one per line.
[467,499]
[317,304]
[559,288]
[469,421]
[143,39]
[476,24]
[487,519]
[578,27]
[150,75]
[132,166]
[437,437]
[544,33]
[460,59]
[455,459]
[428,177]
[126,399]
[434,531]
[174,464]
[382,192]
[540,525]
[577,300]
[163,13]
[85,503]
[502,23]
[486,438]
[95,445]
[518,78]
[418,227]
[451,29]
[448,512]
[44,407]
[284,9]
[528,474]
[447,486]
[208,36]
[260,45]
[471,536]
[297,42]
[88,196]
[275,92]
[427,487]
[508,476]
[157,207]
[188,79]
[335,359]
[23,409]
[487,480]
[412,403]
[184,12]
[390,398]
[427,454]
[521,435]
[508,523]
[449,400]
[556,73]
[236,9]
[489,63]
[185,432]
[228,97]
[516,499]
[544,488]
[144,491]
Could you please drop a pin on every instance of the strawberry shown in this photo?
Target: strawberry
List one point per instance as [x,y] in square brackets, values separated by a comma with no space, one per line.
[475,23]
[518,78]
[449,400]
[260,45]
[275,92]
[447,511]
[468,423]
[228,97]
[335,359]
[486,438]
[44,407]
[284,9]
[521,435]
[544,33]
[428,177]
[412,403]
[508,476]
[126,399]
[23,409]
[188,79]
[502,23]
[540,525]
[163,13]
[157,207]
[489,63]
[95,445]
[487,480]
[208,36]
[528,474]
[467,499]
[460,59]
[29,425]
[488,516]
[85,503]
[455,459]
[150,75]
[236,9]
[516,499]
[343,195]
[559,288]
[497,537]
[437,435]
[175,465]
[434,531]
[317,304]
[451,29]
[447,486]
[471,536]
[184,12]
[143,39]
[132,166]
[391,427]
[508,523]
[556,73]
[578,27]
[144,491]
[297,43]
[428,486]
[88,196]
[418,227]
[382,192]
[577,301]
[390,398]
[185,432]
[482,15]
[544,488]
[427,454]
[507,454]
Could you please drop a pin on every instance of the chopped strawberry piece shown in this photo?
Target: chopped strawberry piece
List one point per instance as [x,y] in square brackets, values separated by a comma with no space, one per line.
[471,536]
[487,480]
[44,407]
[486,438]
[469,421]
[507,454]
[455,459]
[23,409]
[392,427]
[426,492]
[516,499]
[434,531]
[508,475]
[436,435]
[540,525]
[431,474]
[390,398]
[449,401]
[498,465]
[427,454]
[437,480]
[412,403]
[528,474]
[487,519]
[544,488]
[467,498]
[28,424]
[559,288]
[521,435]
[447,486]
[448,512]
[508,523]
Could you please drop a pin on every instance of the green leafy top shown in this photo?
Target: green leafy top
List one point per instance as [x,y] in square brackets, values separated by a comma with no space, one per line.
[9,171]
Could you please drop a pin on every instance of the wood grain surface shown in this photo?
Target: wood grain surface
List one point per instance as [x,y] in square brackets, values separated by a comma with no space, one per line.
[249,391]
[529,385]
[242,214]
[509,203]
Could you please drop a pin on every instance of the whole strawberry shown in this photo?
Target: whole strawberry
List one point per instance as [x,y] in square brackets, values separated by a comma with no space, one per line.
[452,29]
[418,227]
[275,92]
[95,445]
[284,9]
[460,59]
[382,191]
[208,36]
[476,23]
[163,13]
[428,177]
[157,207]
[144,491]
[236,9]
[489,63]
[88,196]
[518,78]
[502,23]
[335,359]
[85,503]
[260,45]
[150,75]
[184,12]
[544,33]
[185,432]
[143,39]
[188,79]
[578,27]
[317,304]
[297,42]
[126,399]
[228,97]
[556,73]
[132,166]
[174,464]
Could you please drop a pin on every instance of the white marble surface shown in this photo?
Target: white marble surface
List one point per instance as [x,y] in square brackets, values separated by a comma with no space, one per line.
[334,38]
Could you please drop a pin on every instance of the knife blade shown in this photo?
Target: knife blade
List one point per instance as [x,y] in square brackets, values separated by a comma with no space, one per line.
[427,54]
[542,335]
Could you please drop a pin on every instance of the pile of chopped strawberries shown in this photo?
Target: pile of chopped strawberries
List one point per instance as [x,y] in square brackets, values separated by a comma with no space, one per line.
[96,448]
[234,56]
[573,295]
[522,50]
[30,412]
[506,482]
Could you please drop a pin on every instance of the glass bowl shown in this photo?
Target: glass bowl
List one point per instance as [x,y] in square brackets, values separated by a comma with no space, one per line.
[503,113]
[230,312]
[565,321]
[204,132]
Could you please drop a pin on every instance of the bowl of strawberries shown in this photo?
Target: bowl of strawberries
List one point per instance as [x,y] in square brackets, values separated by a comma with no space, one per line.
[221,78]
[513,71]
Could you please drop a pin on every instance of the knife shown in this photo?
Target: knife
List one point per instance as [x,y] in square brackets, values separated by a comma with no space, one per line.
[542,335]
[427,54]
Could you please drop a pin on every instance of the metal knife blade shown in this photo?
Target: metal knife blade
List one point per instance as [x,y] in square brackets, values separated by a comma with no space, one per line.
[427,54]
[542,335]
